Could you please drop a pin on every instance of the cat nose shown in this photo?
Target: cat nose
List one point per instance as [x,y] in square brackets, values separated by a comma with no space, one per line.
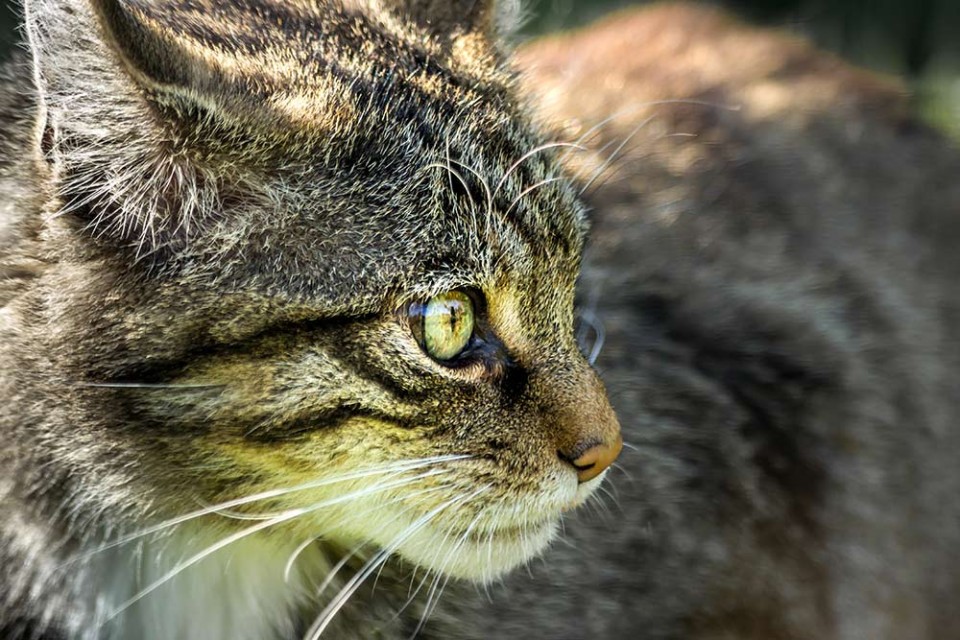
[578,418]
[591,459]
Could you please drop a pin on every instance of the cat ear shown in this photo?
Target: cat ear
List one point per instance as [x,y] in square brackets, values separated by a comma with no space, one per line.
[449,17]
[114,84]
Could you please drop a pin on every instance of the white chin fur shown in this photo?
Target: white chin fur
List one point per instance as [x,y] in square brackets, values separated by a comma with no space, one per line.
[243,592]
[479,557]
[484,556]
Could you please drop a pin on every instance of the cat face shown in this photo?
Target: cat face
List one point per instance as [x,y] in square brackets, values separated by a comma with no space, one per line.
[312,263]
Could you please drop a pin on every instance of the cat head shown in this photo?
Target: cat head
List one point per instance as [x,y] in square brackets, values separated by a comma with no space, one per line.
[309,259]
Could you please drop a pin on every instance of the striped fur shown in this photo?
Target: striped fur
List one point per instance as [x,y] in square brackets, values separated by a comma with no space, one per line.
[232,203]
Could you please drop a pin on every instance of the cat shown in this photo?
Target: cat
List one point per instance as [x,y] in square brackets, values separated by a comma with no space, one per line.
[274,273]
[241,242]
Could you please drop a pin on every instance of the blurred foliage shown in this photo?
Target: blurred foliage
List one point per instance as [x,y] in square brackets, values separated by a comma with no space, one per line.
[900,36]
[9,22]
[914,38]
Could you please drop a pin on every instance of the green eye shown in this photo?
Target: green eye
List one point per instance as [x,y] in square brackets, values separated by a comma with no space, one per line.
[447,324]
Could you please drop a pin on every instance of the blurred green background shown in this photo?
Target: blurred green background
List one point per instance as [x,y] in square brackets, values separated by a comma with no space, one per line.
[918,39]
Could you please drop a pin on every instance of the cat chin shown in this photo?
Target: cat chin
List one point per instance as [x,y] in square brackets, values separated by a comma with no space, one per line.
[479,557]
[485,555]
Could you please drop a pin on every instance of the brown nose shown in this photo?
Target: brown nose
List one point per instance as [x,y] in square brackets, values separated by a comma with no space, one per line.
[594,460]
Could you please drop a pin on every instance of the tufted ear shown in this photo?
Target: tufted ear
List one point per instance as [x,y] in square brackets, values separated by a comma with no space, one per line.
[448,17]
[112,85]
[146,105]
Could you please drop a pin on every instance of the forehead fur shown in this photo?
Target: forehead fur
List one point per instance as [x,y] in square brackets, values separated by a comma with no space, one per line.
[302,57]
[319,150]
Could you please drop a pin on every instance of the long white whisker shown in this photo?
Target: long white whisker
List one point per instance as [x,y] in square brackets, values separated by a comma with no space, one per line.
[486,190]
[533,152]
[303,546]
[407,465]
[288,568]
[613,156]
[341,599]
[456,174]
[433,582]
[332,574]
[434,598]
[331,610]
[523,193]
[652,103]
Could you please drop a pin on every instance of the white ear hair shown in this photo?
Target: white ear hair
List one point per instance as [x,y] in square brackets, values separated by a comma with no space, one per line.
[107,148]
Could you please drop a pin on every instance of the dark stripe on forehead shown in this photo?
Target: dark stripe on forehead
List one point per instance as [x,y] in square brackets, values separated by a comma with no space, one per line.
[314,39]
[399,387]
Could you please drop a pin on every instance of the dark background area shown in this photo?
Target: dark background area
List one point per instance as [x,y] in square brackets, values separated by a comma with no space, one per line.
[918,39]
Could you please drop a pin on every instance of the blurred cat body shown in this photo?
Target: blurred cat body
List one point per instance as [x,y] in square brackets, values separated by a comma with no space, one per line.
[204,260]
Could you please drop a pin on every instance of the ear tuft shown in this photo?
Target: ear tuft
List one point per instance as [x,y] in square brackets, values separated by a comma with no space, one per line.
[100,67]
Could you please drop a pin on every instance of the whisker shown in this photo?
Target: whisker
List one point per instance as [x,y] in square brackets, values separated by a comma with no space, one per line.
[149,386]
[528,190]
[600,334]
[239,515]
[631,447]
[613,156]
[629,476]
[434,597]
[244,533]
[395,467]
[331,610]
[332,574]
[288,568]
[411,594]
[486,189]
[455,174]
[341,599]
[292,560]
[531,153]
[653,103]
[610,491]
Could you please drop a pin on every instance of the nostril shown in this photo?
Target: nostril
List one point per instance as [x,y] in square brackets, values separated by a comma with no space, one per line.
[592,458]
[572,455]
[579,463]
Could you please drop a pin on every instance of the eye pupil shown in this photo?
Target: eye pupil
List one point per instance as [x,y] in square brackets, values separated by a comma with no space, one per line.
[448,325]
